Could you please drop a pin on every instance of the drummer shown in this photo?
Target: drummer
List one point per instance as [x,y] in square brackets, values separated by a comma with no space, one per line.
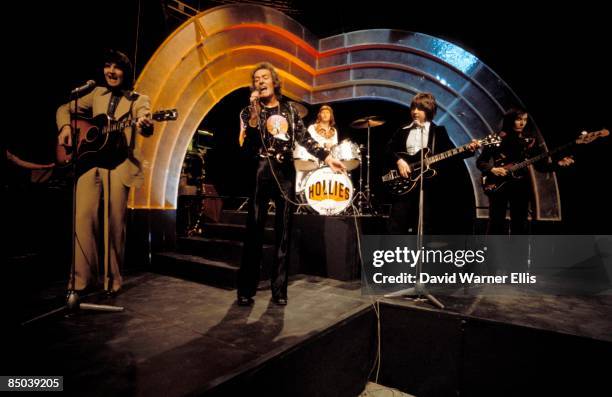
[325,133]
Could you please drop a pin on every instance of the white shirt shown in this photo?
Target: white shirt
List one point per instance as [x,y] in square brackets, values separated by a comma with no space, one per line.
[415,142]
[321,140]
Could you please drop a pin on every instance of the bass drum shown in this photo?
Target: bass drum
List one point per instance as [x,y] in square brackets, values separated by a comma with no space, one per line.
[326,192]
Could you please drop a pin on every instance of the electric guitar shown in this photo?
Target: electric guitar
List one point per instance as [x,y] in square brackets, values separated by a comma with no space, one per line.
[101,141]
[492,184]
[399,185]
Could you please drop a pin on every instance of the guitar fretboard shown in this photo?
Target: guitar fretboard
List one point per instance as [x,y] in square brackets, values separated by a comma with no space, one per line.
[539,157]
[117,126]
[441,156]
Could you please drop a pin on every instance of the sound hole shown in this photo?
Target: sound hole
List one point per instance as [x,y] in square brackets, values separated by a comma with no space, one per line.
[92,134]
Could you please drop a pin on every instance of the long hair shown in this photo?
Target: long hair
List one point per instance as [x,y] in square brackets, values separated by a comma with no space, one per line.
[426,102]
[510,116]
[123,62]
[332,120]
[275,78]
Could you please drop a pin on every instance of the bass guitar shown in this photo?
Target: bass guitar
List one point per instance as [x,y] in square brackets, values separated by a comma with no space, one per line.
[492,183]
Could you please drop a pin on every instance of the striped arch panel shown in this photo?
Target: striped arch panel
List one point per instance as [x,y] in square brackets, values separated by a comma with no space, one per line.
[213,53]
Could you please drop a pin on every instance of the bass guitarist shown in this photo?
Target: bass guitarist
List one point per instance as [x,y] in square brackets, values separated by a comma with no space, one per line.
[116,99]
[517,144]
[409,141]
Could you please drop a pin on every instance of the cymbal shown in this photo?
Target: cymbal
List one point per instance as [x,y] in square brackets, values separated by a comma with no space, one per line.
[302,111]
[368,121]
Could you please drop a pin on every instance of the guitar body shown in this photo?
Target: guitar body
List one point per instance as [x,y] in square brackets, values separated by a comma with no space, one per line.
[102,143]
[399,185]
[95,147]
[492,184]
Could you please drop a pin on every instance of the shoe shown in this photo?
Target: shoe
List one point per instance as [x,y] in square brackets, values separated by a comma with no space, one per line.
[280,301]
[244,301]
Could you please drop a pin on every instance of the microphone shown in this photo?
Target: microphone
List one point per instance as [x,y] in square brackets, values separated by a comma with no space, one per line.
[77,92]
[254,95]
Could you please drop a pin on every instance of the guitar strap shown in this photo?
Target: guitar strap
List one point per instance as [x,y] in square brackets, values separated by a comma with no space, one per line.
[112,105]
[132,139]
[433,138]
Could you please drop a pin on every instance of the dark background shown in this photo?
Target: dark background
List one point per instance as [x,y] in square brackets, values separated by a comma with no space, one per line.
[554,58]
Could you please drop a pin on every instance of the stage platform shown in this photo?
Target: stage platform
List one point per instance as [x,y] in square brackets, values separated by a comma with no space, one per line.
[178,337]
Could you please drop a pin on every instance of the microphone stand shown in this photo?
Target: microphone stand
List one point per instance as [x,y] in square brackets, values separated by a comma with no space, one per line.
[73,302]
[419,291]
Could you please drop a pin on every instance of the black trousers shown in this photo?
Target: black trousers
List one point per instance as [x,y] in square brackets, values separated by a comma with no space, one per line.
[404,215]
[266,188]
[516,194]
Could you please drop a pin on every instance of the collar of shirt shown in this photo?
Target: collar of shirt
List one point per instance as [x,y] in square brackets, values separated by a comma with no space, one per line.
[415,141]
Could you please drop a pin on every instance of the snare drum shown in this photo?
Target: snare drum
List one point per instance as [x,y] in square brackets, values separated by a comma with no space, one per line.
[326,192]
[348,153]
[303,160]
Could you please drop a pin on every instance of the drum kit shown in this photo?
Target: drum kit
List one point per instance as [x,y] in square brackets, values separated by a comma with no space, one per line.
[329,193]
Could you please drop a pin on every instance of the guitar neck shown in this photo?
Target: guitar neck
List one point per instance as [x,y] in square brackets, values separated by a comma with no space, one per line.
[118,126]
[447,154]
[539,157]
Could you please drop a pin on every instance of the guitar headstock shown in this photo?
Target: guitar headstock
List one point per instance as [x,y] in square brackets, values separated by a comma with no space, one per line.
[588,137]
[490,140]
[165,115]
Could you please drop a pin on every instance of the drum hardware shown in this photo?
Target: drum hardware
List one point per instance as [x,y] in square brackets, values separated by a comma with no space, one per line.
[210,205]
[363,197]
[348,153]
[244,203]
[192,183]
[301,109]
[271,207]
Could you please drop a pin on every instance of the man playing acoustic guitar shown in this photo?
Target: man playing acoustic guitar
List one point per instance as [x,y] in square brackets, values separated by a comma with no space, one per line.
[118,101]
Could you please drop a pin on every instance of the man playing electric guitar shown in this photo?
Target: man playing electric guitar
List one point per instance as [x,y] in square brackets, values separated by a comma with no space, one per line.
[516,146]
[421,134]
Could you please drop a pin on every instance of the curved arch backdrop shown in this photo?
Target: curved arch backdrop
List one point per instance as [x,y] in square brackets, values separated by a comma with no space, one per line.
[212,55]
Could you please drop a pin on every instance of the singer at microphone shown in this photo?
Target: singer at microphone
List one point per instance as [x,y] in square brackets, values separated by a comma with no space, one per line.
[111,163]
[79,91]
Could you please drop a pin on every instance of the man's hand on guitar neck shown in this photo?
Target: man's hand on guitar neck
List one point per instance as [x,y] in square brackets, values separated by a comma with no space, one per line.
[403,168]
[473,145]
[145,124]
[566,161]
[499,171]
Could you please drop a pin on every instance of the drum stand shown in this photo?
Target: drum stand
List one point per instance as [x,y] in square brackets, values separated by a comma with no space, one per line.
[362,198]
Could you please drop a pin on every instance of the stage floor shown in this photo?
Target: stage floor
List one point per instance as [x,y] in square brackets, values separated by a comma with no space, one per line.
[175,336]
[178,337]
[584,316]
